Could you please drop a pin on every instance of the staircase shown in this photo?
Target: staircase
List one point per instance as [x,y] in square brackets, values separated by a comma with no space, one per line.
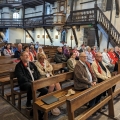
[95,17]
[103,21]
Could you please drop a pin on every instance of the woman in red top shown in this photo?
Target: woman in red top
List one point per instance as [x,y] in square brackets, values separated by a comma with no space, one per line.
[112,56]
[26,48]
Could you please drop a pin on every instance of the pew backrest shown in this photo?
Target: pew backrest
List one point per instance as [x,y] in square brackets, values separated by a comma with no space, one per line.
[41,83]
[76,101]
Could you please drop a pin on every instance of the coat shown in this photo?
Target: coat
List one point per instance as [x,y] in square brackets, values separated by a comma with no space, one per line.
[60,57]
[44,70]
[23,74]
[71,64]
[104,75]
[81,81]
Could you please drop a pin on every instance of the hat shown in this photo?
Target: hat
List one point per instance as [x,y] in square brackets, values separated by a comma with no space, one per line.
[70,92]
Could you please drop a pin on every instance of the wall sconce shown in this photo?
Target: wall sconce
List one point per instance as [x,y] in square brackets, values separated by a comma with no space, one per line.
[46,36]
[43,36]
[38,36]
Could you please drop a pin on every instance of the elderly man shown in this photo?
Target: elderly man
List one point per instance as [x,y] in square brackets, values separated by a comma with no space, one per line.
[27,72]
[100,70]
[107,60]
[84,77]
[60,57]
[90,57]
[18,51]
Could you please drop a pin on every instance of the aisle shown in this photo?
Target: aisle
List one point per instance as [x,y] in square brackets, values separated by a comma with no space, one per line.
[8,112]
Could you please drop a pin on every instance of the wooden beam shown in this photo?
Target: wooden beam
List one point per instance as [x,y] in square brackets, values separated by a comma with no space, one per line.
[75,36]
[88,2]
[48,34]
[29,35]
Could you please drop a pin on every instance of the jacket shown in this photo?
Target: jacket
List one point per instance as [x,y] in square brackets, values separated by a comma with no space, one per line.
[81,81]
[71,64]
[44,70]
[60,57]
[23,74]
[104,75]
[17,54]
[8,52]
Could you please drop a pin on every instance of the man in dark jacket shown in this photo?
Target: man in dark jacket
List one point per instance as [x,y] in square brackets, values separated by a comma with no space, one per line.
[18,51]
[27,72]
[60,58]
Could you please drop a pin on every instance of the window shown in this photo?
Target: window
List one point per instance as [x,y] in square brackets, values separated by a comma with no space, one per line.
[15,15]
[48,9]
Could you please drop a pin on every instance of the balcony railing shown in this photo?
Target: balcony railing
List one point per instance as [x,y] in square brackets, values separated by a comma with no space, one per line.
[11,22]
[10,1]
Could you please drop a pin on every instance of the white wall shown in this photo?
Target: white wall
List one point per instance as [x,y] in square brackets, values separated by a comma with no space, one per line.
[16,33]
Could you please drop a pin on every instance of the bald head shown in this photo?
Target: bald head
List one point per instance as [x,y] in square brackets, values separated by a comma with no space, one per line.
[98,56]
[59,49]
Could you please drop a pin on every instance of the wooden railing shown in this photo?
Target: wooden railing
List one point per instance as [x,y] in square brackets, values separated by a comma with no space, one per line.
[10,1]
[83,15]
[11,22]
[102,19]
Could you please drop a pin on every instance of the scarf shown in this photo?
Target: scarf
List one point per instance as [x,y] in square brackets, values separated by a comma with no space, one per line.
[99,68]
[89,67]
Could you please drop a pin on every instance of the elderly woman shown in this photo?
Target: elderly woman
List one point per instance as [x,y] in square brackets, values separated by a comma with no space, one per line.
[71,62]
[76,53]
[45,69]
[40,50]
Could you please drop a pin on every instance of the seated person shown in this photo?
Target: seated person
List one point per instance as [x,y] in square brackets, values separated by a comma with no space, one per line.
[26,72]
[90,57]
[76,53]
[100,70]
[67,52]
[31,58]
[32,50]
[107,60]
[71,62]
[40,50]
[45,69]
[84,77]
[18,51]
[7,51]
[60,58]
[114,58]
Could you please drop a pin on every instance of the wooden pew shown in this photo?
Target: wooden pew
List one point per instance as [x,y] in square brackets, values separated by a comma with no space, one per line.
[58,66]
[38,104]
[76,101]
[7,61]
[5,75]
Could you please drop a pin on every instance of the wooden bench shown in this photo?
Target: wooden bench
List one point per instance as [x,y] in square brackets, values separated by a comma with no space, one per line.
[76,101]
[58,66]
[7,61]
[38,104]
[5,75]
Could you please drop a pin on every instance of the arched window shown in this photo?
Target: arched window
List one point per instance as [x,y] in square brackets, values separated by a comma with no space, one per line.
[15,15]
